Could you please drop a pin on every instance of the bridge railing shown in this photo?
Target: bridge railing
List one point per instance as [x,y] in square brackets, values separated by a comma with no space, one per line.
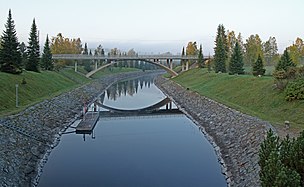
[139,57]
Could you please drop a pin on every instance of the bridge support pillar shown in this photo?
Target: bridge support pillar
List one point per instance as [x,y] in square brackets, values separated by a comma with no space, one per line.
[183,66]
[187,65]
[96,66]
[171,64]
[75,66]
[169,106]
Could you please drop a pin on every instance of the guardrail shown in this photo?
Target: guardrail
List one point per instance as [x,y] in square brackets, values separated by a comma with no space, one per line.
[139,57]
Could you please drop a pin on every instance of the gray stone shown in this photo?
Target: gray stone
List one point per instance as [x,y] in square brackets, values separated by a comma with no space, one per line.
[236,136]
[27,137]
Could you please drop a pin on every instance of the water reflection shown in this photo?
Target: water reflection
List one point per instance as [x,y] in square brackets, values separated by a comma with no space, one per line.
[129,87]
[133,149]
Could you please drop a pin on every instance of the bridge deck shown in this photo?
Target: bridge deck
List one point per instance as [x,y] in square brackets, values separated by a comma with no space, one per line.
[87,125]
[109,114]
[139,57]
[141,110]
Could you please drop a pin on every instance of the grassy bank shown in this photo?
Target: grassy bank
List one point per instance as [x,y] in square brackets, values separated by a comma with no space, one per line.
[269,70]
[113,70]
[177,69]
[252,95]
[40,86]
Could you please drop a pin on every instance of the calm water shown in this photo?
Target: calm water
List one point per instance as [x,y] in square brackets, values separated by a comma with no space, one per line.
[145,150]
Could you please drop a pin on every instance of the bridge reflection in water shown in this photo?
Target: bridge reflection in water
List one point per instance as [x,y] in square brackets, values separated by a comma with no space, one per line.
[165,107]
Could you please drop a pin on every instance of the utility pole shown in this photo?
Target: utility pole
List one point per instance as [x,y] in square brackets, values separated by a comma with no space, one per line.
[17,96]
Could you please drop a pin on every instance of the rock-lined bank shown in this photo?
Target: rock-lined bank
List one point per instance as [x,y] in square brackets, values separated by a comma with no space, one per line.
[236,137]
[27,137]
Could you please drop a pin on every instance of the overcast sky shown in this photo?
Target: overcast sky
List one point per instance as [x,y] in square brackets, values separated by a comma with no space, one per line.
[158,25]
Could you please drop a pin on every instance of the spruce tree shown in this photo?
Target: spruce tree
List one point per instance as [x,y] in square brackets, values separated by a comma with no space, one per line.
[258,67]
[285,62]
[85,51]
[201,57]
[183,51]
[220,50]
[10,57]
[46,60]
[22,49]
[33,50]
[86,63]
[183,55]
[236,62]
[280,160]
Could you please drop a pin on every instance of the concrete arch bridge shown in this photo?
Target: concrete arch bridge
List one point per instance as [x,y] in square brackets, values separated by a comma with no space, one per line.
[163,61]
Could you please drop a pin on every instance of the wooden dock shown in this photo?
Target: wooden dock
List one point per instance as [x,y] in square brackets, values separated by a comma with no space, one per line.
[88,123]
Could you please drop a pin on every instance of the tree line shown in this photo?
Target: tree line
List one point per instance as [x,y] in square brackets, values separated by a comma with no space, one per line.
[231,55]
[63,45]
[15,56]
[248,53]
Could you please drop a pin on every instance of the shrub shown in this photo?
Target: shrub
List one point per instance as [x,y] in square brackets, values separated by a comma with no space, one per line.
[291,73]
[301,72]
[279,74]
[281,162]
[295,90]
[59,65]
[23,81]
[280,79]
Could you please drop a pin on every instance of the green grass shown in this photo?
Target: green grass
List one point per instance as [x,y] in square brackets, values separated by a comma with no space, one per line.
[76,77]
[39,86]
[177,69]
[113,70]
[252,95]
[80,69]
[44,85]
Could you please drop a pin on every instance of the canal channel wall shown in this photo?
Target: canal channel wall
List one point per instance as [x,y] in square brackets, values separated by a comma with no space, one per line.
[236,137]
[27,138]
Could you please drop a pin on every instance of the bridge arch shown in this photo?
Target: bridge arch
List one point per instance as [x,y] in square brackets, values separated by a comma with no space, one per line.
[171,71]
[153,59]
[148,109]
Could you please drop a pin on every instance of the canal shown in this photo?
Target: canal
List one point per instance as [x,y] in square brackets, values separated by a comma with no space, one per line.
[155,146]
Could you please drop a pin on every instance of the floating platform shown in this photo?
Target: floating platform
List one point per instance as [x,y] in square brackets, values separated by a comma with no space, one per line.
[88,123]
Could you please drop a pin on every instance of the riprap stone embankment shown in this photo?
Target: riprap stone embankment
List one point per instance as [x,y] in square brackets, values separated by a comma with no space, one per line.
[27,137]
[236,137]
